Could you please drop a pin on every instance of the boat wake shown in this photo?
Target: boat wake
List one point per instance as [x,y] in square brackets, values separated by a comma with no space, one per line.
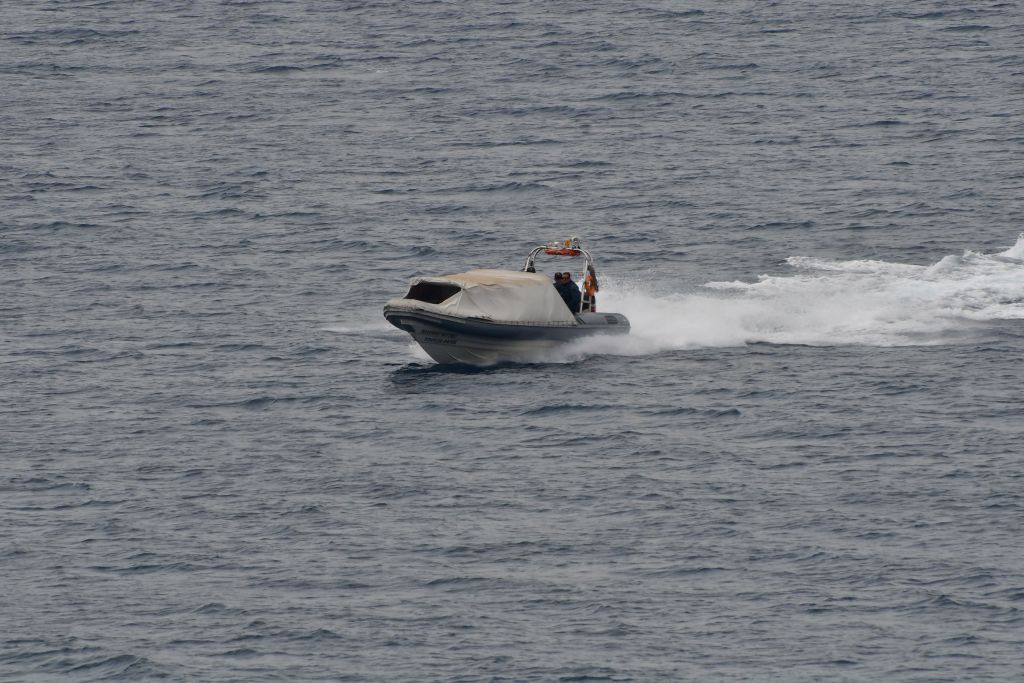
[823,303]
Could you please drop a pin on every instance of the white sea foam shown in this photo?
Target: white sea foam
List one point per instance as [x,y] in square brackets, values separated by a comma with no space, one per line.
[358,328]
[823,303]
[1016,251]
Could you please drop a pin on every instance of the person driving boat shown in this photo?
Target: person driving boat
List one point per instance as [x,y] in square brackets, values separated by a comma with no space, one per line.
[568,290]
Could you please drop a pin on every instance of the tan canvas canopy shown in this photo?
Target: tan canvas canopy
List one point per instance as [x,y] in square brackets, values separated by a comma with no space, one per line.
[498,295]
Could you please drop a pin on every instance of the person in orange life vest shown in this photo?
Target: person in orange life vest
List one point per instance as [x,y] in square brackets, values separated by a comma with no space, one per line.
[590,291]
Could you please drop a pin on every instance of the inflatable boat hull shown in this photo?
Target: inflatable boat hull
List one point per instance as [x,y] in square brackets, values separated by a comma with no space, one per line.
[478,341]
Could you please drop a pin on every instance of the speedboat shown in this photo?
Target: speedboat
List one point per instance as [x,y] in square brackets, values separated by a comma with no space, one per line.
[482,317]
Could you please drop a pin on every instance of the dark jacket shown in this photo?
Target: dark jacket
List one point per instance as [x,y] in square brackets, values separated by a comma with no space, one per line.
[570,294]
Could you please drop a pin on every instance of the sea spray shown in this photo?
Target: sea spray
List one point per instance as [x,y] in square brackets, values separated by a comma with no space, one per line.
[823,303]
[1016,251]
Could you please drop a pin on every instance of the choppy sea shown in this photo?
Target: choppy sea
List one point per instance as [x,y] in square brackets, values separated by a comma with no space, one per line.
[218,462]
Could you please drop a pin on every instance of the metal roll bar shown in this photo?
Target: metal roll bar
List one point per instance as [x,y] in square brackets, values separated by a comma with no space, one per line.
[572,249]
[569,248]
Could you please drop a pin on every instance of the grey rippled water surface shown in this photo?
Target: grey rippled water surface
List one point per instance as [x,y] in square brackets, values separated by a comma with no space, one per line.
[218,461]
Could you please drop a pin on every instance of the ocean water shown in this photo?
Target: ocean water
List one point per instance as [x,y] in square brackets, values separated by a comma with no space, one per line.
[218,461]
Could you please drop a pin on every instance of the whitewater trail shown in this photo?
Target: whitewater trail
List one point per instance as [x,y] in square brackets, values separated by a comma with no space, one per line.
[823,303]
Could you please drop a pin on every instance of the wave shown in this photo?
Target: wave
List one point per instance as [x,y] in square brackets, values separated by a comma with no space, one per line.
[358,328]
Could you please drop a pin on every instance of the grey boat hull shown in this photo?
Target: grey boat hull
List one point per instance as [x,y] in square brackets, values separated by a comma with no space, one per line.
[477,341]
